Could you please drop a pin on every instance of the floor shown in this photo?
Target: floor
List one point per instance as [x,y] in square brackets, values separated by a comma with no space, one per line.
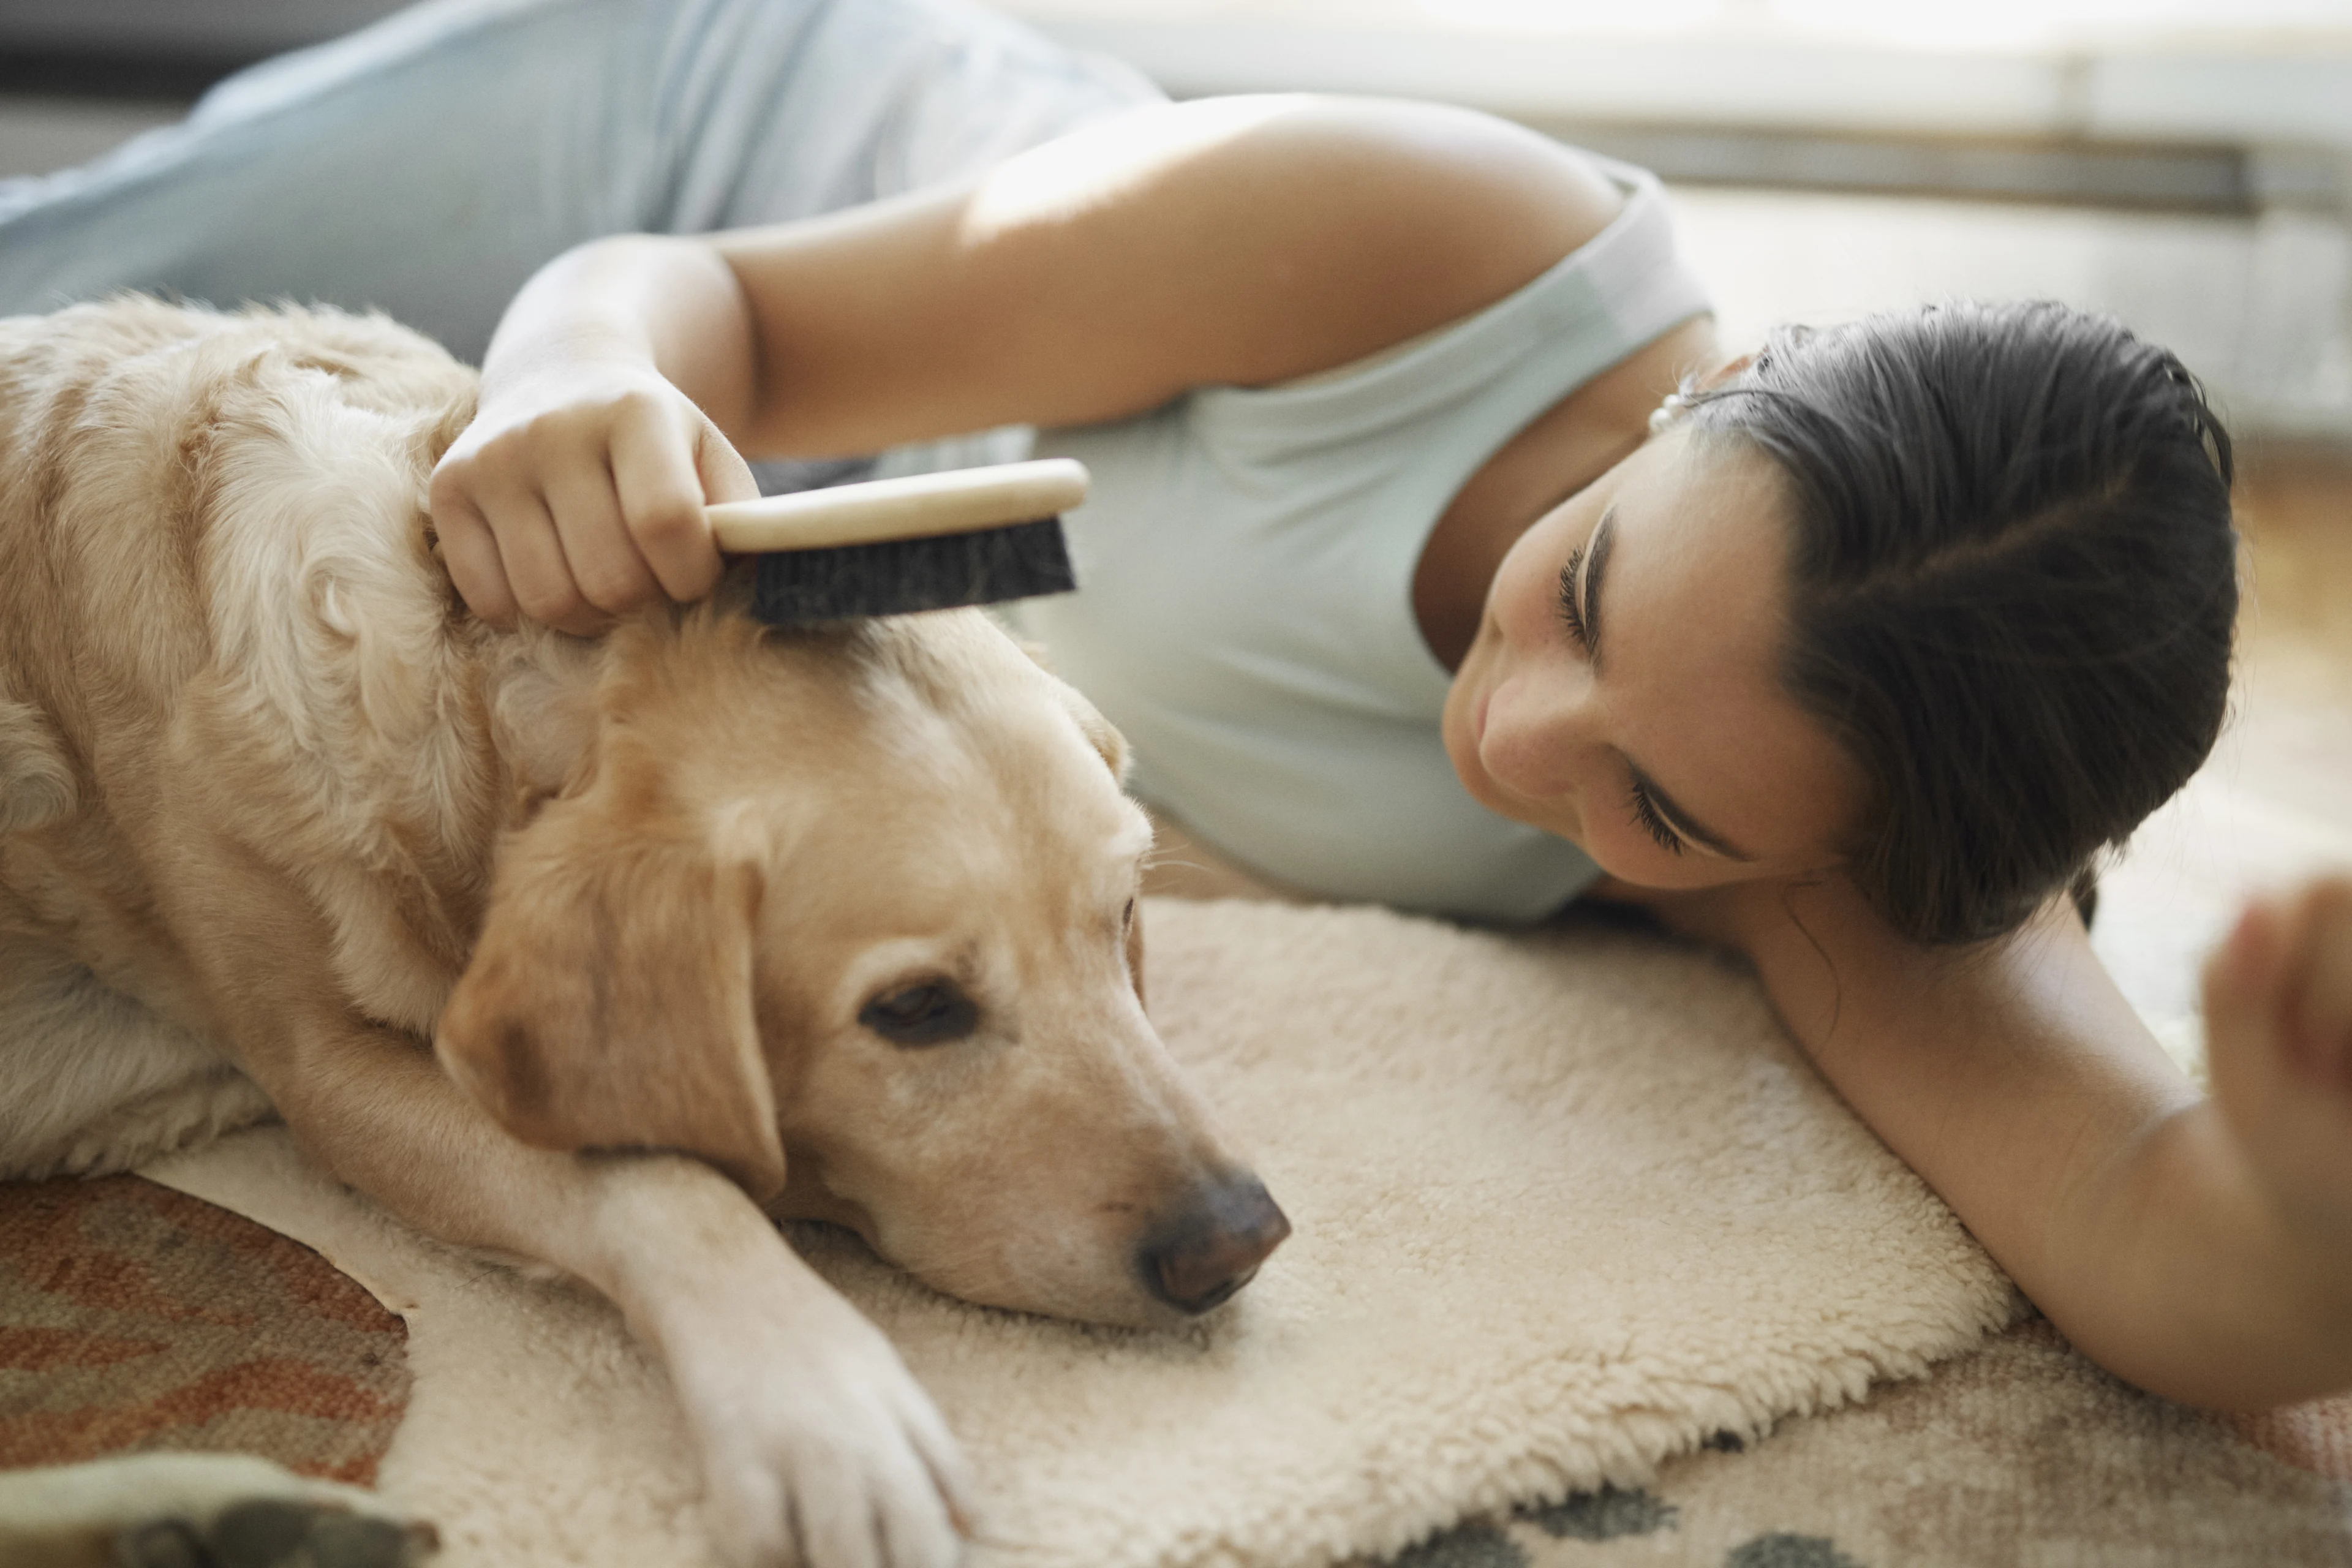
[2296,507]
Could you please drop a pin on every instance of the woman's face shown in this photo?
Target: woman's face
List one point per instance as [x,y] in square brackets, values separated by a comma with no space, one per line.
[1637,712]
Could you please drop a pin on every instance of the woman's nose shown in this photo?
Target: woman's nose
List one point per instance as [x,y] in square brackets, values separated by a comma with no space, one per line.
[1541,723]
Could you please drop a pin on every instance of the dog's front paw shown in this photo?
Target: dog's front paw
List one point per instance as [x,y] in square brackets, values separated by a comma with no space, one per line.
[820,1450]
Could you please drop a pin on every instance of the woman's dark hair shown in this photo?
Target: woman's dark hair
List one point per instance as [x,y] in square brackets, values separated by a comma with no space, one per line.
[2011,589]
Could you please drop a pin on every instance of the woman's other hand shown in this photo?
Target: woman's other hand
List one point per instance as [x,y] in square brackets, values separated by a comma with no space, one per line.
[2278,1020]
[576,496]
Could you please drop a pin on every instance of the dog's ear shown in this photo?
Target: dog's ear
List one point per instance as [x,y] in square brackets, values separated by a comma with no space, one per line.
[1100,732]
[609,1001]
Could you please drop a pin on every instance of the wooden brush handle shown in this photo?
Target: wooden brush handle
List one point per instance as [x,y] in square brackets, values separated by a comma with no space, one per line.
[920,506]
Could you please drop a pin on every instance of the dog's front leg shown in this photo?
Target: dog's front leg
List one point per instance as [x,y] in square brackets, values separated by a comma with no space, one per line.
[817,1445]
[818,1448]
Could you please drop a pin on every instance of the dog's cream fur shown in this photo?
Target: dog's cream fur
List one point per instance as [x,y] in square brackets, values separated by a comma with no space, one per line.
[278,823]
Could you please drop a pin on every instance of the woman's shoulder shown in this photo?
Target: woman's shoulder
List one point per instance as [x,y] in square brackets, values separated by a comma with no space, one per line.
[1410,215]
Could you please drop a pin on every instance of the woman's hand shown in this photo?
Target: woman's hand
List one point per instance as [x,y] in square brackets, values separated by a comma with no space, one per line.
[576,494]
[2278,1020]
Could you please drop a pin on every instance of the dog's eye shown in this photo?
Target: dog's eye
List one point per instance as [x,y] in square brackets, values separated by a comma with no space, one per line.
[1126,915]
[930,1013]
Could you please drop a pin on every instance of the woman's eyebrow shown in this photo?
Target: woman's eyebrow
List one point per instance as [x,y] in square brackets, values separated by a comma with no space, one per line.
[1596,561]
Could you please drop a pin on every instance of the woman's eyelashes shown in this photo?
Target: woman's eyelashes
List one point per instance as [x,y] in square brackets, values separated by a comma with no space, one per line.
[1570,613]
[1645,813]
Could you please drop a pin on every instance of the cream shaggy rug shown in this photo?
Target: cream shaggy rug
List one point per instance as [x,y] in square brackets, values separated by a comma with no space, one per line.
[1566,1205]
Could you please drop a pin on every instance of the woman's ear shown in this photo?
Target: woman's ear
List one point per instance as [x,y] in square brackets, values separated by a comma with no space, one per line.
[1709,380]
[609,1001]
[1692,386]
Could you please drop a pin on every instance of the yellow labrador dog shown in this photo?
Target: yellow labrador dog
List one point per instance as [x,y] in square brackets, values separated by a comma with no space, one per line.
[602,954]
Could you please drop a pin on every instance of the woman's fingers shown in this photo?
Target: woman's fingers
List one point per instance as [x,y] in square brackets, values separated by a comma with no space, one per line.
[2282,983]
[2318,1011]
[470,553]
[585,507]
[497,536]
[659,495]
[539,570]
[2241,976]
[2278,1024]
[605,565]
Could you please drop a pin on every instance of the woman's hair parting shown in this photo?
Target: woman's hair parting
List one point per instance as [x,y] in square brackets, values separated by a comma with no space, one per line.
[2012,588]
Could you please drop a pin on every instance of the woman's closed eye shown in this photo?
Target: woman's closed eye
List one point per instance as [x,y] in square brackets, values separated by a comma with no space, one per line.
[1570,613]
[1647,816]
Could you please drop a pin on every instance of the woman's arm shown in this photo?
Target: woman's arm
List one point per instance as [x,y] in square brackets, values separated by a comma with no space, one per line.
[2205,1262]
[1237,241]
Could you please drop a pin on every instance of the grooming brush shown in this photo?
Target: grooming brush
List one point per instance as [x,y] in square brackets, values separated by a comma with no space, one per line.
[928,541]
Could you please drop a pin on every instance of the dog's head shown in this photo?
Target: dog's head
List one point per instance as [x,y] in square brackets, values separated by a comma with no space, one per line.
[852,915]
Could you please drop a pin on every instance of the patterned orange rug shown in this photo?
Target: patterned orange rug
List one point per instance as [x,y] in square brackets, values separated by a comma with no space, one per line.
[133,1318]
[2021,1452]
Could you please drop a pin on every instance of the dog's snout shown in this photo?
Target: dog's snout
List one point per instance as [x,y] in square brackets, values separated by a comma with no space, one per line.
[1201,1254]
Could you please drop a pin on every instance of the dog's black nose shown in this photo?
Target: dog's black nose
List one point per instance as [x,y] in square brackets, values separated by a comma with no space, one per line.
[1202,1253]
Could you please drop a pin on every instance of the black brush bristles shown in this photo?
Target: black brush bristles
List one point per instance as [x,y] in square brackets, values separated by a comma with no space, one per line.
[988,566]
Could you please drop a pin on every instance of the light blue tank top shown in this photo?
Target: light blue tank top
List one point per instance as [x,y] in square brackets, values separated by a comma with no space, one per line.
[1245,565]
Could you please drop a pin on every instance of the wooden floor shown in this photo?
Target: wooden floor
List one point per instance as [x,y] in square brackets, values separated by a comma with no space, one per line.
[2296,641]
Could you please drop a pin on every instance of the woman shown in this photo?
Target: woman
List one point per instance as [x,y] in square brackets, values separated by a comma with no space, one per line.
[1851,664]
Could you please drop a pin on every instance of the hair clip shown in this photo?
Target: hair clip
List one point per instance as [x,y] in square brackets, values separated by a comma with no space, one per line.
[1666,413]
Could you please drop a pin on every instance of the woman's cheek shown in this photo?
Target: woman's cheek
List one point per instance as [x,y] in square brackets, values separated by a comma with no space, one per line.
[1631,857]
[1626,856]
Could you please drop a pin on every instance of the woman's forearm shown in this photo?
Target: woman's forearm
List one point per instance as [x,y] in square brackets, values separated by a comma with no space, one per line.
[669,304]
